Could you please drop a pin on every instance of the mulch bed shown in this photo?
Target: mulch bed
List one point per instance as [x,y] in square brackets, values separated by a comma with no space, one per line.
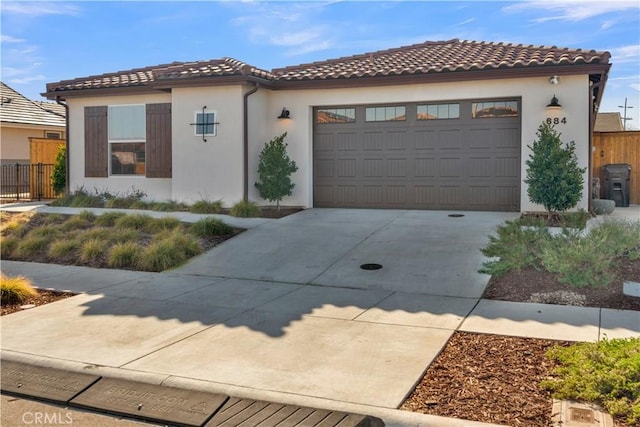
[43,297]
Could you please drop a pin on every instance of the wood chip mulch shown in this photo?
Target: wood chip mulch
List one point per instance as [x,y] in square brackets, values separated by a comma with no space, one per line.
[487,378]
[44,297]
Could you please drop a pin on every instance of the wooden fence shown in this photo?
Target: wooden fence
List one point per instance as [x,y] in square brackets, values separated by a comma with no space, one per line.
[618,147]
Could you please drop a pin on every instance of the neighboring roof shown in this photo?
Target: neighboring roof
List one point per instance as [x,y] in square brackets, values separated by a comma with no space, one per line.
[608,122]
[15,108]
[449,58]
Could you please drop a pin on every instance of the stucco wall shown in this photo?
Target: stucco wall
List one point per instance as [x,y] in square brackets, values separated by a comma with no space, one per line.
[535,93]
[156,188]
[15,141]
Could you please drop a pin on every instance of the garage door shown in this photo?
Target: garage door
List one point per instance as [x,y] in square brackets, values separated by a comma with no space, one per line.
[460,155]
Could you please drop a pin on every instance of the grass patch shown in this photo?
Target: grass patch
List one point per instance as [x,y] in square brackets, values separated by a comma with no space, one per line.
[95,233]
[87,216]
[93,250]
[169,206]
[162,224]
[76,222]
[49,232]
[108,219]
[577,260]
[30,246]
[15,290]
[8,245]
[161,255]
[136,221]
[208,227]
[245,209]
[606,373]
[121,235]
[123,255]
[62,248]
[206,207]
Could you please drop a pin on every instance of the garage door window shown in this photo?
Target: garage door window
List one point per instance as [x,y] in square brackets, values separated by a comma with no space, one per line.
[386,114]
[336,115]
[438,111]
[494,109]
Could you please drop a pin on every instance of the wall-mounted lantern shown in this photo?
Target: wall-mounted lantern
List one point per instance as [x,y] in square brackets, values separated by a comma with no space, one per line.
[554,104]
[285,114]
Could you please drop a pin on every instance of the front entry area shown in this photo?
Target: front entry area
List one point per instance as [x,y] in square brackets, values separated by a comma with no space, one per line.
[454,155]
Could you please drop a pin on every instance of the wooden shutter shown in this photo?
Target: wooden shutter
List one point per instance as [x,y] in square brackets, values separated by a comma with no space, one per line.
[96,142]
[158,148]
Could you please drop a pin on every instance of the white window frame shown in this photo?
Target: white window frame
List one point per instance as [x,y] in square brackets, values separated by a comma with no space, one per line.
[127,141]
[214,124]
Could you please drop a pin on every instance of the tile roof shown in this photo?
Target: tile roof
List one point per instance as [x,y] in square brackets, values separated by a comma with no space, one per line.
[442,56]
[157,73]
[424,58]
[608,122]
[18,109]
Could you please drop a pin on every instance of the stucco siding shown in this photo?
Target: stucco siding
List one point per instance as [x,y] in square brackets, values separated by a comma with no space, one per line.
[535,94]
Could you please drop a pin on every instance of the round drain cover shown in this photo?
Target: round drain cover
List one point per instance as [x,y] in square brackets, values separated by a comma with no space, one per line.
[456,215]
[371,266]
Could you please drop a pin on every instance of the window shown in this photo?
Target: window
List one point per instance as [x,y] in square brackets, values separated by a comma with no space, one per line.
[52,134]
[127,137]
[494,109]
[205,124]
[386,114]
[438,111]
[336,115]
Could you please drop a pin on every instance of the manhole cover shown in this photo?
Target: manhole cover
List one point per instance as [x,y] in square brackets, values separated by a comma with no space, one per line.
[456,215]
[371,266]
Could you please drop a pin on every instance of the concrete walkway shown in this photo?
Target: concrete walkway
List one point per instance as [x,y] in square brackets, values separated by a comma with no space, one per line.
[283,312]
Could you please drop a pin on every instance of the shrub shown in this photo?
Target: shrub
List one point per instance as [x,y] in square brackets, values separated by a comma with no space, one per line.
[140,204]
[245,209]
[210,227]
[125,202]
[121,235]
[161,255]
[15,290]
[136,221]
[61,248]
[84,200]
[553,176]
[160,224]
[606,373]
[59,174]
[108,219]
[169,206]
[49,232]
[8,245]
[51,219]
[206,207]
[30,246]
[185,242]
[123,255]
[76,222]
[515,247]
[87,215]
[93,249]
[274,171]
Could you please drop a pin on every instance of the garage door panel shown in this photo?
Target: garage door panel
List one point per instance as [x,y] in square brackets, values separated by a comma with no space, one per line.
[462,164]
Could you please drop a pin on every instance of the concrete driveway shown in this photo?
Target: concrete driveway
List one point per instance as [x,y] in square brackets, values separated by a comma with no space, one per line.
[281,312]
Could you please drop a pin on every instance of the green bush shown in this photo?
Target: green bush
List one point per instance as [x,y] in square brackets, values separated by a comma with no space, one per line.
[121,235]
[206,207]
[515,247]
[164,223]
[123,255]
[49,232]
[87,215]
[76,222]
[59,174]
[141,204]
[61,248]
[161,255]
[96,233]
[245,209]
[210,227]
[136,221]
[185,242]
[30,246]
[8,245]
[108,219]
[86,201]
[93,249]
[606,373]
[169,206]
[15,290]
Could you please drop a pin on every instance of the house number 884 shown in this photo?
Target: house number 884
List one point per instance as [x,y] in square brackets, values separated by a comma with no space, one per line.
[556,120]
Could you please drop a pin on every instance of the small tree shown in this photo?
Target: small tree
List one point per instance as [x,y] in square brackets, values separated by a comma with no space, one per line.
[59,174]
[274,170]
[554,177]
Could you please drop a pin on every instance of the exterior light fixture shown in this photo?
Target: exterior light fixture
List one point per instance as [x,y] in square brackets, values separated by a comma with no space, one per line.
[285,114]
[554,80]
[554,105]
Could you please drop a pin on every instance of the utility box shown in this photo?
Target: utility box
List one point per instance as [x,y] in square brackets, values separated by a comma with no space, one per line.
[617,182]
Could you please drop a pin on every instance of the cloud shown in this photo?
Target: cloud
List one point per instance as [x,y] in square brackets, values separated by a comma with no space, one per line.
[572,10]
[465,22]
[635,86]
[27,79]
[38,8]
[624,54]
[10,39]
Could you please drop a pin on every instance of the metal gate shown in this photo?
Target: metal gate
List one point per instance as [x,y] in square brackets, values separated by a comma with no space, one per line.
[27,182]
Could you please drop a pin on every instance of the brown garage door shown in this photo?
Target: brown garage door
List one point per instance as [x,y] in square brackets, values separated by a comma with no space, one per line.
[460,155]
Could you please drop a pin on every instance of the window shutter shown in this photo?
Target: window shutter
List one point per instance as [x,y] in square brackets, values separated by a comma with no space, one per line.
[96,142]
[158,149]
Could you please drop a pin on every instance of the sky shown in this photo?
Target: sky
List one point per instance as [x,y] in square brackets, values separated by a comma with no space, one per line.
[45,42]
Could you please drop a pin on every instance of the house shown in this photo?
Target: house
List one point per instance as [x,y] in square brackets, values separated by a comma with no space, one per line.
[23,121]
[436,125]
[608,122]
